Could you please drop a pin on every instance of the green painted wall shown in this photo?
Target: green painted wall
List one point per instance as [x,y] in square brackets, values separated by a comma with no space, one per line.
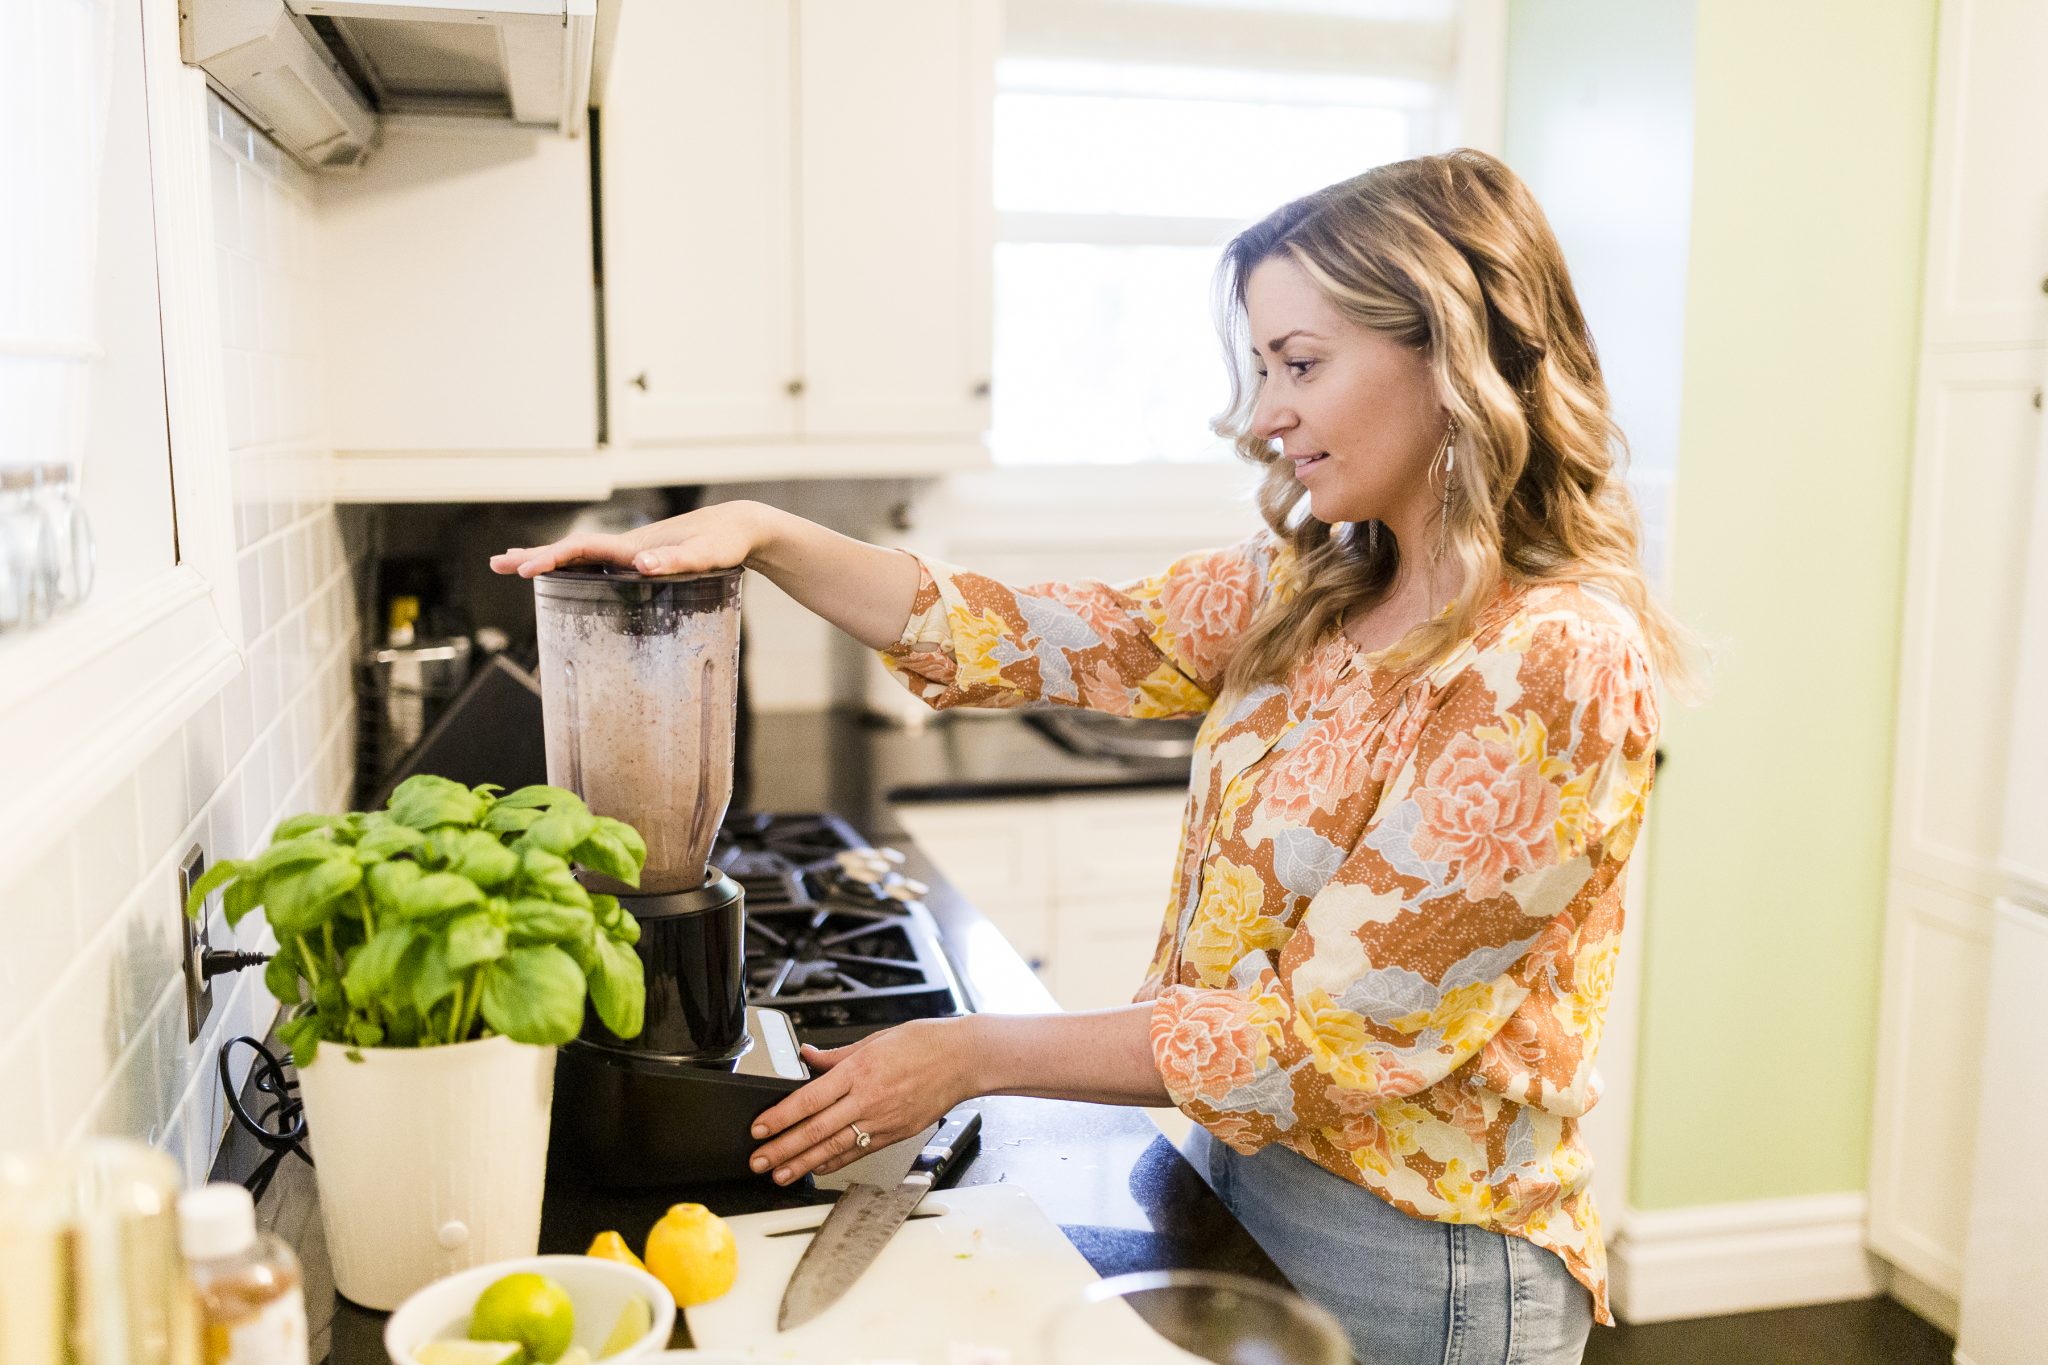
[1800,327]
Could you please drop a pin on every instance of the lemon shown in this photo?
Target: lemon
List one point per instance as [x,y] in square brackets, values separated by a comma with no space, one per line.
[470,1353]
[530,1309]
[609,1246]
[632,1325]
[691,1250]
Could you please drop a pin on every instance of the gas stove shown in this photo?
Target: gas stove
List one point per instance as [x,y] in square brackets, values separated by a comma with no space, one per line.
[836,935]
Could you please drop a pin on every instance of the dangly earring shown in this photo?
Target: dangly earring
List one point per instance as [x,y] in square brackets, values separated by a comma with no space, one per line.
[1443,537]
[1372,540]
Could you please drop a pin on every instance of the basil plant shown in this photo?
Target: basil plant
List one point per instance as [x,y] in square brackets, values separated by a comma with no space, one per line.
[451,914]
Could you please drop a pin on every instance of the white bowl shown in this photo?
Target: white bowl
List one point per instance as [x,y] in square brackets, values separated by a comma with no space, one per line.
[599,1289]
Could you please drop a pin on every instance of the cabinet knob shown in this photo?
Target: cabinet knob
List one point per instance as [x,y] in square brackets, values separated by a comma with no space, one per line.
[639,381]
[983,389]
[794,388]
[2037,400]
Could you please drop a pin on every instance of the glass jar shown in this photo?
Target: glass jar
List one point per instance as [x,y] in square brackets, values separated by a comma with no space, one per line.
[67,546]
[24,600]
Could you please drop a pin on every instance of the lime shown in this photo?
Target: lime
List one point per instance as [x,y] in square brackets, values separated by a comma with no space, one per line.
[632,1325]
[470,1353]
[527,1308]
[691,1250]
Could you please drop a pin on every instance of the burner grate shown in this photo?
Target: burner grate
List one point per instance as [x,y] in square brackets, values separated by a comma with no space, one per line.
[841,959]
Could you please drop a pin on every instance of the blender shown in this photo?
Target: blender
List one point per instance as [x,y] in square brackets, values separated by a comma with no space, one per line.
[639,686]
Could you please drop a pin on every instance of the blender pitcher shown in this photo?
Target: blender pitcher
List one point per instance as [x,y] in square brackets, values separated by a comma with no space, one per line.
[639,686]
[639,695]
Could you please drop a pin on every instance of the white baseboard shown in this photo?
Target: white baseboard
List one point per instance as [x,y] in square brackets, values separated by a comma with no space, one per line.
[1669,1264]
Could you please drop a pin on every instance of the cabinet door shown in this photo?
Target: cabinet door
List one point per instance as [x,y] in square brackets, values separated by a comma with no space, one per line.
[1937,964]
[996,854]
[897,102]
[1973,476]
[699,254]
[1987,232]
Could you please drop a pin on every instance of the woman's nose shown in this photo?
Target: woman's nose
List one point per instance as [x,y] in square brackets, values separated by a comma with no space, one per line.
[1269,416]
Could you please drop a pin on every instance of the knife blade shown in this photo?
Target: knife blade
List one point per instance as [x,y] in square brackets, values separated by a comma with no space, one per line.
[864,1220]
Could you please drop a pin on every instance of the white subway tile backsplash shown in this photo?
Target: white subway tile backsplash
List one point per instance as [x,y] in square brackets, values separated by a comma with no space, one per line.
[24,1108]
[237,724]
[167,800]
[106,857]
[205,753]
[80,1027]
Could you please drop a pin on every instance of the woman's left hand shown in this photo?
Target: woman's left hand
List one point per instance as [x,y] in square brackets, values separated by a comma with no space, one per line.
[894,1084]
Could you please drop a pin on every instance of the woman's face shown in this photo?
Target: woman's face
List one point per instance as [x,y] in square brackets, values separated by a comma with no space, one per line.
[1356,412]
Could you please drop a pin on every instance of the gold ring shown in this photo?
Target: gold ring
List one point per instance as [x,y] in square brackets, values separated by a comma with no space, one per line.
[860,1139]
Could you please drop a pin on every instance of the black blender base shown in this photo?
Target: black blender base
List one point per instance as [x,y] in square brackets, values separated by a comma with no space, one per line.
[625,1121]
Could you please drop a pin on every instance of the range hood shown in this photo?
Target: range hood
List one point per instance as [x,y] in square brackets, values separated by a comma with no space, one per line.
[318,75]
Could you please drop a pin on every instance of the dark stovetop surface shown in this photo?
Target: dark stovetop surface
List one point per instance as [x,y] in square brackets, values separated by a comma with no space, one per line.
[1117,1187]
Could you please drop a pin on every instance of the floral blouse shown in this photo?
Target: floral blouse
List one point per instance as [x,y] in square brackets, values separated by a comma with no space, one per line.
[1397,905]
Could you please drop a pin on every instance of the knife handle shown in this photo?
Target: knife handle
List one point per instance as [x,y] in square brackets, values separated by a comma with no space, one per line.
[957,1133]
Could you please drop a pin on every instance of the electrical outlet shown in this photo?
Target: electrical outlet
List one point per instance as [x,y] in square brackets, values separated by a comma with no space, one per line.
[198,989]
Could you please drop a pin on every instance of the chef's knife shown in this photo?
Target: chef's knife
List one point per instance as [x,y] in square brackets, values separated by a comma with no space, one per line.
[864,1220]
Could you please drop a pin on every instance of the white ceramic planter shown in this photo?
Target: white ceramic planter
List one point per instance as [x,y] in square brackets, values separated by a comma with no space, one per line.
[430,1160]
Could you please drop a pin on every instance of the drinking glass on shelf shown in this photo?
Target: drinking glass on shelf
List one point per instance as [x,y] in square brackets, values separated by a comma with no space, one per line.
[1174,1317]
[25,600]
[68,551]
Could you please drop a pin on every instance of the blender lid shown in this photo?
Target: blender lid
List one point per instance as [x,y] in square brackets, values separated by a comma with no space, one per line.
[603,582]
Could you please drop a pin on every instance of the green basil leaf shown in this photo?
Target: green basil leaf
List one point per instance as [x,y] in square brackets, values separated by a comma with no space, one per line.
[474,938]
[433,979]
[291,853]
[211,880]
[390,881]
[244,895]
[300,900]
[436,893]
[614,848]
[387,840]
[532,921]
[301,825]
[504,819]
[481,858]
[375,964]
[559,831]
[534,995]
[626,930]
[281,974]
[618,988]
[402,1026]
[549,875]
[428,802]
[365,1032]
[302,1036]
[542,796]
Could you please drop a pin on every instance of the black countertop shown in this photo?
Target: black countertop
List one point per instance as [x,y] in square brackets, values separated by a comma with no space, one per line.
[1121,1192]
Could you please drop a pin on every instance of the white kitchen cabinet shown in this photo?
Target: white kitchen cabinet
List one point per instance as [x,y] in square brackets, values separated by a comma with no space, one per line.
[798,231]
[698,164]
[895,151]
[1975,466]
[1987,279]
[1078,882]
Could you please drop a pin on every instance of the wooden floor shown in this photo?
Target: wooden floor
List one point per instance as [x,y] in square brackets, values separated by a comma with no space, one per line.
[1868,1332]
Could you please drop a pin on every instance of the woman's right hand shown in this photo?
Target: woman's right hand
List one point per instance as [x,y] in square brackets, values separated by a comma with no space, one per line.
[717,537]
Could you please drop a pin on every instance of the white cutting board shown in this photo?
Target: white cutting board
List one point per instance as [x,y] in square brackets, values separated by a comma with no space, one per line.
[986,1272]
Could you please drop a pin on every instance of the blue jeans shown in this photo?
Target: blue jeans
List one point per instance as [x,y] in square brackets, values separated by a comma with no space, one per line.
[1409,1291]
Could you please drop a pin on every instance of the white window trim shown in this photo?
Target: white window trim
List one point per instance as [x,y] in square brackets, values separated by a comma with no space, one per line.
[87,697]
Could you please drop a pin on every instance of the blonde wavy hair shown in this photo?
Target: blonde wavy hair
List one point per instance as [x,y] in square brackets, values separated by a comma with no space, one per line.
[1449,254]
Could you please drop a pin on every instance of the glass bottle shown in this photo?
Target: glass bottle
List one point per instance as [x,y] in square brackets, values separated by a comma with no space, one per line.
[252,1306]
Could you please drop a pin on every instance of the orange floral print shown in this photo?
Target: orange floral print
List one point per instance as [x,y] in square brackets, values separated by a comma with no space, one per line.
[1207,1044]
[1489,815]
[1208,608]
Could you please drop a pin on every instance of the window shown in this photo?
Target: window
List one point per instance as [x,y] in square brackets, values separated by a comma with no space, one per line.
[1117,185]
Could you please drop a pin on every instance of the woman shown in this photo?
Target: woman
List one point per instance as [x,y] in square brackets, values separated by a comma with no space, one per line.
[1428,684]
